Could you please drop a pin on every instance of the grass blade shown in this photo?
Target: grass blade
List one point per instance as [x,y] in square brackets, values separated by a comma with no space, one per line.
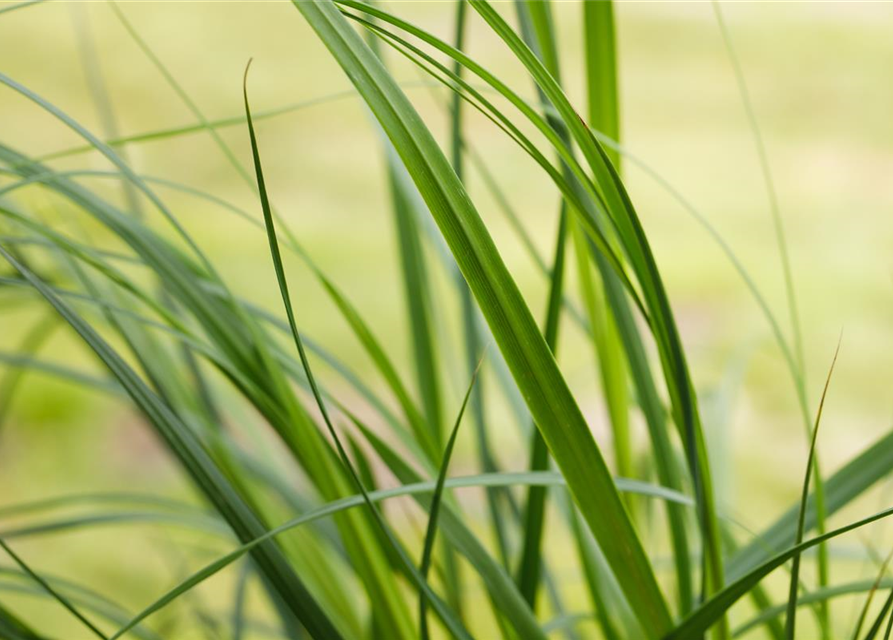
[198,464]
[434,509]
[58,597]
[713,609]
[554,409]
[452,623]
[790,621]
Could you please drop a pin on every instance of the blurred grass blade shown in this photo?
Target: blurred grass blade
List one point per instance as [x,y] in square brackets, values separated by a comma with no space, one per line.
[32,342]
[58,597]
[601,71]
[790,295]
[876,626]
[790,621]
[14,629]
[863,614]
[20,5]
[198,464]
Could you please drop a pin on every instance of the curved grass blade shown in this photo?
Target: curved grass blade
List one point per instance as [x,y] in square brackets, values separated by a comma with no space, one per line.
[452,623]
[807,599]
[547,478]
[706,615]
[790,622]
[434,509]
[505,124]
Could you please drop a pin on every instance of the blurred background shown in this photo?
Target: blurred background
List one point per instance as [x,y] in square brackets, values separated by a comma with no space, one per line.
[819,79]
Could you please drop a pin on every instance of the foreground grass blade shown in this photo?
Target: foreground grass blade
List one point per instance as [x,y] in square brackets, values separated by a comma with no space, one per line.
[536,23]
[471,325]
[434,509]
[790,621]
[624,218]
[546,393]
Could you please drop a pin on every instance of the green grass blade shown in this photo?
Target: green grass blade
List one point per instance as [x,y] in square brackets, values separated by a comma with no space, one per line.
[471,325]
[58,597]
[790,622]
[536,22]
[504,123]
[450,524]
[434,509]
[452,623]
[706,615]
[546,393]
[14,629]
[633,239]
[198,464]
[535,507]
[601,70]
[879,621]
[863,614]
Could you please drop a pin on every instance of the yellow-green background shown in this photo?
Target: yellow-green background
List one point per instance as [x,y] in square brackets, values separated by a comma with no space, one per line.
[820,80]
